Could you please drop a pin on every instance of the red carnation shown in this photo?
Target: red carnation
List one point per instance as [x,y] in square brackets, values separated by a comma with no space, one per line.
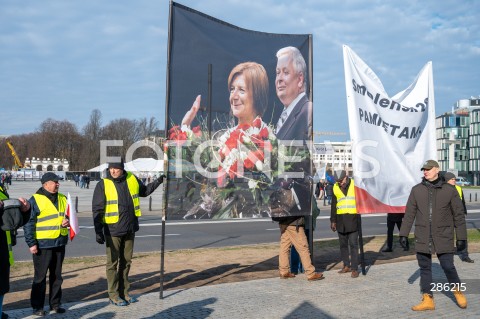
[243,126]
[233,170]
[197,131]
[257,122]
[248,164]
[263,133]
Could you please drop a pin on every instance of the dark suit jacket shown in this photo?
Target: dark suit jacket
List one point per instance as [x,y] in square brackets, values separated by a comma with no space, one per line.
[298,126]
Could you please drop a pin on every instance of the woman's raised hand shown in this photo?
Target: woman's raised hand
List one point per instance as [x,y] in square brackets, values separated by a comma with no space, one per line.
[190,115]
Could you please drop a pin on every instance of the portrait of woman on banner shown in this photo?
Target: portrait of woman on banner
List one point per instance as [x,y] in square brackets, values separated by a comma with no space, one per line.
[244,145]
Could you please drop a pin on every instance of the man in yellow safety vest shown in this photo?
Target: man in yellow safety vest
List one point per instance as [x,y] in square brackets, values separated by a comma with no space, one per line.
[46,234]
[344,220]
[116,208]
[450,178]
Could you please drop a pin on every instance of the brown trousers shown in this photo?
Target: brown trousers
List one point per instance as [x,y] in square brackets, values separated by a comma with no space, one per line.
[290,236]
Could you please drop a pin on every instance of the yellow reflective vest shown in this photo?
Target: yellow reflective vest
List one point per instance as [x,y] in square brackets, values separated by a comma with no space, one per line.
[111,196]
[7,232]
[459,190]
[10,248]
[2,194]
[345,204]
[49,221]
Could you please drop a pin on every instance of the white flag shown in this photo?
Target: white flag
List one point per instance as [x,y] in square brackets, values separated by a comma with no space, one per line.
[391,136]
[72,216]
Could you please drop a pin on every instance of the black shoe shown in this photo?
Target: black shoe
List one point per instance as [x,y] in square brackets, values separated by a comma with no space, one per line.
[58,309]
[468,260]
[4,315]
[387,250]
[39,312]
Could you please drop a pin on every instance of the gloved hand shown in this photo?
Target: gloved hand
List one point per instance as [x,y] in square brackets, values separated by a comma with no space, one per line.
[461,244]
[333,227]
[403,242]
[162,177]
[100,238]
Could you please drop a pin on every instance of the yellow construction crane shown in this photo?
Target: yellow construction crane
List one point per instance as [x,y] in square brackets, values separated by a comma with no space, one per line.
[18,163]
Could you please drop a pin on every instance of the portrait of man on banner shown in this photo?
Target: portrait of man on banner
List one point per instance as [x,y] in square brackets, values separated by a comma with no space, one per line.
[238,121]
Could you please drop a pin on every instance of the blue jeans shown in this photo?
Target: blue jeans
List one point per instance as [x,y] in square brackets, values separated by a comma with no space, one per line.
[425,264]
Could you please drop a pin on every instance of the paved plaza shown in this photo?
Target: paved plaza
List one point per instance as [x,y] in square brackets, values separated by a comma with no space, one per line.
[387,290]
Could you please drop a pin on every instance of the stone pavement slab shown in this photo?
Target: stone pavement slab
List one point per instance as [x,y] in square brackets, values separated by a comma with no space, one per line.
[387,290]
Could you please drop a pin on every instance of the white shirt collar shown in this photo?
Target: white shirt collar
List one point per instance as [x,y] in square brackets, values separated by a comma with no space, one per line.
[291,106]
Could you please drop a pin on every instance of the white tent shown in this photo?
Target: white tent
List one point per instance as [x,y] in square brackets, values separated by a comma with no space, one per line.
[137,165]
[144,165]
[99,168]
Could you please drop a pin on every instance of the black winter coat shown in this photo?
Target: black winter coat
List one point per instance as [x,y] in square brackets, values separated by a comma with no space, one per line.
[437,211]
[346,223]
[128,222]
[4,257]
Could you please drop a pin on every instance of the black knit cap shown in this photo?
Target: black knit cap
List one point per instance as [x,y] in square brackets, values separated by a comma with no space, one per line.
[49,176]
[448,176]
[117,164]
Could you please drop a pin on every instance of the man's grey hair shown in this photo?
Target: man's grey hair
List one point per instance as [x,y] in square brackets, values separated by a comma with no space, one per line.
[298,62]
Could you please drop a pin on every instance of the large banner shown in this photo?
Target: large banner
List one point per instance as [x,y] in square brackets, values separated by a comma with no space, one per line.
[238,117]
[391,136]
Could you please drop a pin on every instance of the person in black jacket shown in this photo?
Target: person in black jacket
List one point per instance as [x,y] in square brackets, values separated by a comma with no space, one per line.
[344,220]
[16,219]
[435,208]
[116,208]
[450,179]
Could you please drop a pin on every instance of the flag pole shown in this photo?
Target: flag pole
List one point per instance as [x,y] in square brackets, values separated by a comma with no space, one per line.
[360,244]
[162,245]
[165,157]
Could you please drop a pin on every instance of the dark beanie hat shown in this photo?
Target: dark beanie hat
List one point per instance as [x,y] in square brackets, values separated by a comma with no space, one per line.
[342,175]
[49,176]
[117,164]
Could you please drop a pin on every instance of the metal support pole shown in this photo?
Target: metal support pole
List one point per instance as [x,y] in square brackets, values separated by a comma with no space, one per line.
[360,244]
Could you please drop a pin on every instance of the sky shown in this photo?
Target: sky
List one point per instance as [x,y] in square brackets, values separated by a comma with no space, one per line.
[63,59]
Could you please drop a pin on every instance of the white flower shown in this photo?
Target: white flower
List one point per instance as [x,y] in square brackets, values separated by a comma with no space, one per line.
[243,155]
[252,183]
[259,165]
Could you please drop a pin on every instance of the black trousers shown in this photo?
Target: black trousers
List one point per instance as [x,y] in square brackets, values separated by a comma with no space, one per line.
[349,249]
[51,260]
[425,264]
[390,229]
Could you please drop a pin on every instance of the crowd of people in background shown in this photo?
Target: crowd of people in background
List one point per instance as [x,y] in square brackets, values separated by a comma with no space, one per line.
[6,179]
[82,180]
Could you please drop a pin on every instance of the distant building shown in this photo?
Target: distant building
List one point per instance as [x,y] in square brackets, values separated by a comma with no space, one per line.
[46,165]
[333,156]
[458,141]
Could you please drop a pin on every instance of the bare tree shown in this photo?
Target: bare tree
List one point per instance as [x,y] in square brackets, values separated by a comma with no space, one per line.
[120,129]
[59,139]
[90,154]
